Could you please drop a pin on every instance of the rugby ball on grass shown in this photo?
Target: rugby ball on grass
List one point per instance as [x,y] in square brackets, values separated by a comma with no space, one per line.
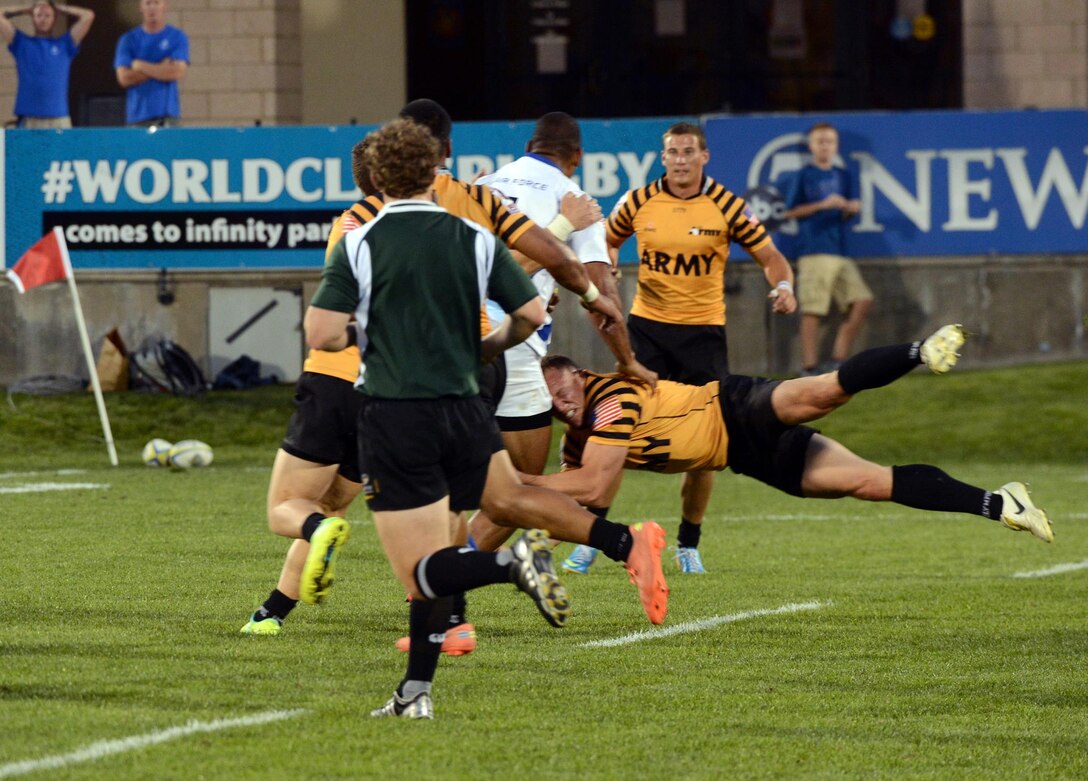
[157,451]
[190,453]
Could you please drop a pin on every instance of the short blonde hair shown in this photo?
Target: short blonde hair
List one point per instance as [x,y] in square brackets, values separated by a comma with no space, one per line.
[685,129]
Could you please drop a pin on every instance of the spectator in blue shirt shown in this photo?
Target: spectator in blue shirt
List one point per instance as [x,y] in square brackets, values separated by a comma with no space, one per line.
[43,62]
[151,59]
[821,200]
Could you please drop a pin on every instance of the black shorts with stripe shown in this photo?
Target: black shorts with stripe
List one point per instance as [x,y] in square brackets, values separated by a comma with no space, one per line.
[322,428]
[692,354]
[412,452]
[492,381]
[760,445]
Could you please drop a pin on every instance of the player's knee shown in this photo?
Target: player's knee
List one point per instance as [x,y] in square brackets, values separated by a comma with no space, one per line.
[829,395]
[872,487]
[500,506]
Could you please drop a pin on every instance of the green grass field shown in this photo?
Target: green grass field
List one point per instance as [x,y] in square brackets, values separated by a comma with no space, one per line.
[903,645]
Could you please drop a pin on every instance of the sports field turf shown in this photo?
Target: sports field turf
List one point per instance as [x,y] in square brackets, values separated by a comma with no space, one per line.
[828,639]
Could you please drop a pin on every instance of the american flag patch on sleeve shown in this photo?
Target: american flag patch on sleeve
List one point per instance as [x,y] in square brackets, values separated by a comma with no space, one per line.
[606,413]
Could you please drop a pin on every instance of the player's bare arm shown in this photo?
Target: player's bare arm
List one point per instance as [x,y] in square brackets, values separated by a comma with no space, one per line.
[516,327]
[832,201]
[127,77]
[779,275]
[543,248]
[576,212]
[569,272]
[580,211]
[326,329]
[595,483]
[617,339]
[167,70]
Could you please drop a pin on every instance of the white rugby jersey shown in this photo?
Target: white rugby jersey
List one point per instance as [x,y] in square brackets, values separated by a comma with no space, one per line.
[536,186]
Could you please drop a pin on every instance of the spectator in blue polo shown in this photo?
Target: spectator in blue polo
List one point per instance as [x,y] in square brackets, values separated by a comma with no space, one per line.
[151,59]
[43,62]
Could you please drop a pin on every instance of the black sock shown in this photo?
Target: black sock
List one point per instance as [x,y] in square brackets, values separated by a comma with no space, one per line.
[278,605]
[688,536]
[459,605]
[878,367]
[456,570]
[428,620]
[614,540]
[926,487]
[309,526]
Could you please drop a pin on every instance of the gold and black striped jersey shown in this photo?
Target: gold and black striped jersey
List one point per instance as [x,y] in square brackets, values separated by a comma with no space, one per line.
[473,202]
[673,428]
[683,246]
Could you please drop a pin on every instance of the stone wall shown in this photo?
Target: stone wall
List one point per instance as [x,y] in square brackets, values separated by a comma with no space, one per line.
[246,57]
[1018,309]
[1025,53]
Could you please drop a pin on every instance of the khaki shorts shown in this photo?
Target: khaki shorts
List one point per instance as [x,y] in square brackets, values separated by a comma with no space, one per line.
[46,123]
[822,279]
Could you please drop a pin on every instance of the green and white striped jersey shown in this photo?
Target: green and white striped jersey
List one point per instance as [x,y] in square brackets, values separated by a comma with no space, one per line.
[415,277]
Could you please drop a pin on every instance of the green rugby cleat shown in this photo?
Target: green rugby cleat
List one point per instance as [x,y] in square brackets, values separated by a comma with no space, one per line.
[319,570]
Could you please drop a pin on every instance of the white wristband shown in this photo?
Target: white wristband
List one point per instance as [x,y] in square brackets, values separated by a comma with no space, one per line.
[591,294]
[784,285]
[561,227]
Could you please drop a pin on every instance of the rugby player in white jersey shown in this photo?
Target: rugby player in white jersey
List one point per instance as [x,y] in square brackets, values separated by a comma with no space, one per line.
[538,182]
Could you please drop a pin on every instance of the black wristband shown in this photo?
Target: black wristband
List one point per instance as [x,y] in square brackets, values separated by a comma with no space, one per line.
[353,335]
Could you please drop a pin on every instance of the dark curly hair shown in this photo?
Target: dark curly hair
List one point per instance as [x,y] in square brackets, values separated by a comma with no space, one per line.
[360,174]
[402,156]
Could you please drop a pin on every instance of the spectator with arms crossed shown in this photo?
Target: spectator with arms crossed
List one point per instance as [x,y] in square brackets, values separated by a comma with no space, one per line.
[44,62]
[150,61]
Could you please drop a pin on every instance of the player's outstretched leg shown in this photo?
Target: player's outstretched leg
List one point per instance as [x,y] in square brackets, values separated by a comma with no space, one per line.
[533,573]
[880,366]
[320,568]
[832,470]
[1020,514]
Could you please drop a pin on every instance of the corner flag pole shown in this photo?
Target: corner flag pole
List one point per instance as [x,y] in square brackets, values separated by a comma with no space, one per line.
[85,340]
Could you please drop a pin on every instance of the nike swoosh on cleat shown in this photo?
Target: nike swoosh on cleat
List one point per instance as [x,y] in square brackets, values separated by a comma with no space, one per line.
[1019,507]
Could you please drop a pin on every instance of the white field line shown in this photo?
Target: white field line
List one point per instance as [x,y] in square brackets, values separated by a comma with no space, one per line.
[1057,569]
[37,488]
[104,748]
[703,624]
[58,472]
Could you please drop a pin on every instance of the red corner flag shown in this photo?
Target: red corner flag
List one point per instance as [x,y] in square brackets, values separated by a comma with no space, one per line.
[41,264]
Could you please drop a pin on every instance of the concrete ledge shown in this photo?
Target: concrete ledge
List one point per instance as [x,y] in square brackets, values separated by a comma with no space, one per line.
[1020,309]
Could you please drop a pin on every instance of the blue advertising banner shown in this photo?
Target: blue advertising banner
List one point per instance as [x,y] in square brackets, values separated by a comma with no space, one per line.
[196,198]
[930,183]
